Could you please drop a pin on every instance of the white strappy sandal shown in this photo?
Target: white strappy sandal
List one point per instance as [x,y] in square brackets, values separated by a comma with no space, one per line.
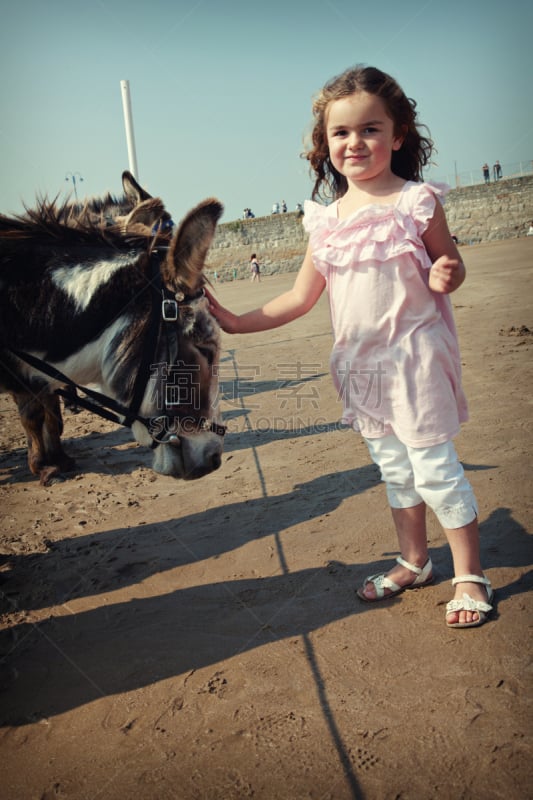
[467,603]
[424,575]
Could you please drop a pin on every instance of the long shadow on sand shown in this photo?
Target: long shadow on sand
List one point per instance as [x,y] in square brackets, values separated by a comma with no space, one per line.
[148,639]
[103,562]
[72,659]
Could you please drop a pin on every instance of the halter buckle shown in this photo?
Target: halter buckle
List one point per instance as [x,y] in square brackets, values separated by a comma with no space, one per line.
[169,310]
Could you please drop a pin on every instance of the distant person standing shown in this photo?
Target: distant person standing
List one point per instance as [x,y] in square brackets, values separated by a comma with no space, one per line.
[254,269]
[275,208]
[283,207]
[497,171]
[486,172]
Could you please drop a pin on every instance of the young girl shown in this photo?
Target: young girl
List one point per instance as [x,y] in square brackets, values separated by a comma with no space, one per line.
[384,252]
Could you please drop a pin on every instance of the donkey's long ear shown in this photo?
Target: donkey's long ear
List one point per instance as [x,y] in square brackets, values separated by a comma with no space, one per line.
[186,257]
[133,190]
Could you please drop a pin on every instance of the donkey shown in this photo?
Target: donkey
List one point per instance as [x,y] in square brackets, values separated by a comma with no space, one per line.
[85,304]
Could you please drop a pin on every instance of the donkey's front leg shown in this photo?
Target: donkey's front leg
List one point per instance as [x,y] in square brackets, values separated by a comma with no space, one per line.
[42,421]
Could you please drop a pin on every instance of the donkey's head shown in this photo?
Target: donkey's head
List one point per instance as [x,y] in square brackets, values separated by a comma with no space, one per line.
[181,400]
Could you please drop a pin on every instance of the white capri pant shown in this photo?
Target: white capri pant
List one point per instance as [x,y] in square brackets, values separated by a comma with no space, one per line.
[430,475]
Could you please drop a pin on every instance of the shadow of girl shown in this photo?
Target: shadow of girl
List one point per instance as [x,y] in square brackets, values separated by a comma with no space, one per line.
[103,562]
[68,660]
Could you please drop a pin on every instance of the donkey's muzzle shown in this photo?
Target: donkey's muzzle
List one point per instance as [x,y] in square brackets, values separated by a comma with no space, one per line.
[210,465]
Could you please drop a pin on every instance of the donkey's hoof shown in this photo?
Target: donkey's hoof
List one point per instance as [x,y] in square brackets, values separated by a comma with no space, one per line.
[50,475]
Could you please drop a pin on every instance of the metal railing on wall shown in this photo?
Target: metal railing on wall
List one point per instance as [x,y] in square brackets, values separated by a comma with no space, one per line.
[477,176]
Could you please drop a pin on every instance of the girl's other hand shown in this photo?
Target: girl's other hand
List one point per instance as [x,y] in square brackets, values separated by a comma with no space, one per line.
[446,275]
[226,319]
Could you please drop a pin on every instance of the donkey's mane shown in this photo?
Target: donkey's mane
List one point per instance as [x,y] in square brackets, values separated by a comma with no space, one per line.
[102,210]
[99,204]
[53,222]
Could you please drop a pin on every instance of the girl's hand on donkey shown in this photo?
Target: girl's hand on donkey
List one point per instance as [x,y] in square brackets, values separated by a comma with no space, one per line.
[226,319]
[446,275]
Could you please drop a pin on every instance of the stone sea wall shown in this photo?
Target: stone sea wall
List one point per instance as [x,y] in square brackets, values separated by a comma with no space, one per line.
[481,213]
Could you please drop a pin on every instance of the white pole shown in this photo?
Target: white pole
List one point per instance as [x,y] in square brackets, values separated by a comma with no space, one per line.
[130,139]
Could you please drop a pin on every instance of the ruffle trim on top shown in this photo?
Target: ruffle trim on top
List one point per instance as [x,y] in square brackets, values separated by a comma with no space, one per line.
[419,199]
[375,232]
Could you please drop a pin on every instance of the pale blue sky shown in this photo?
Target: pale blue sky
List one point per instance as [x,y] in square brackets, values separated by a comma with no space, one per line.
[221,91]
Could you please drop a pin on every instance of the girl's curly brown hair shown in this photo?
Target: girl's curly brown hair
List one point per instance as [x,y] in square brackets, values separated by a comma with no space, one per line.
[407,162]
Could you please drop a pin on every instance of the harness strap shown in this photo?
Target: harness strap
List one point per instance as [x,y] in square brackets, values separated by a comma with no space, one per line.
[101,403]
[143,373]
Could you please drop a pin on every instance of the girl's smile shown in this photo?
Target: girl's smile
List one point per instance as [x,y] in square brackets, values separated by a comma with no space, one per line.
[361,137]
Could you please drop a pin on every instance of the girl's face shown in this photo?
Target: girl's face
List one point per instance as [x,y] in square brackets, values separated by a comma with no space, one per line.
[360,137]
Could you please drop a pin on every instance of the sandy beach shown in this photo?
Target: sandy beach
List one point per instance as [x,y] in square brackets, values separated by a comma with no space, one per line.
[167,640]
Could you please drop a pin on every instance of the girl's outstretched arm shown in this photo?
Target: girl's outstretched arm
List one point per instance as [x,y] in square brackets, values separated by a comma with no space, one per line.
[448,271]
[306,290]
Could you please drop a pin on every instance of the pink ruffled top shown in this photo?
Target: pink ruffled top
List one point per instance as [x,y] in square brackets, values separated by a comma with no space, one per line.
[395,360]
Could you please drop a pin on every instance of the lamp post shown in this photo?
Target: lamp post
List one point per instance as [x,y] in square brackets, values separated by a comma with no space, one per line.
[72,176]
[128,121]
